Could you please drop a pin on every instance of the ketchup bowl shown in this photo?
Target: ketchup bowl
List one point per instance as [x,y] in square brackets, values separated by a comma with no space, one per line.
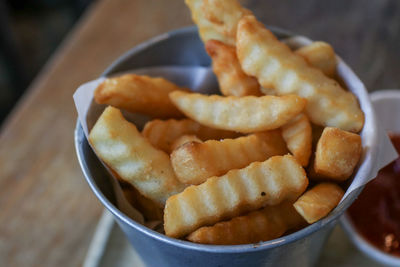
[373,221]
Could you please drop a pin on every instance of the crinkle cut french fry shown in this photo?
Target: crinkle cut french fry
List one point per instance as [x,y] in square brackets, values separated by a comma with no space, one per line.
[162,133]
[217,19]
[243,114]
[183,140]
[262,55]
[270,182]
[231,78]
[139,93]
[298,136]
[317,202]
[337,154]
[194,162]
[119,144]
[320,55]
[262,225]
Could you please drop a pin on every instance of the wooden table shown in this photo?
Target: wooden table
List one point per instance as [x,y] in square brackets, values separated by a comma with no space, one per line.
[48,213]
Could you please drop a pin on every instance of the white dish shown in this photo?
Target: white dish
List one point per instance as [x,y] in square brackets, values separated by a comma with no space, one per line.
[387,109]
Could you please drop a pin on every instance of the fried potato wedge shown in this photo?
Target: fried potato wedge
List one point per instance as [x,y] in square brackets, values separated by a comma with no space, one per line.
[262,225]
[270,182]
[231,78]
[217,19]
[337,154]
[119,144]
[195,162]
[242,114]
[298,136]
[321,56]
[317,202]
[183,140]
[262,55]
[139,93]
[162,133]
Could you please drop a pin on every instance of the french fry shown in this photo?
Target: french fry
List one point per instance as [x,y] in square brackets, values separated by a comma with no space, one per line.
[270,182]
[262,55]
[321,56]
[231,78]
[298,136]
[139,93]
[207,14]
[337,154]
[183,140]
[317,202]
[194,162]
[262,225]
[243,114]
[119,144]
[149,209]
[162,133]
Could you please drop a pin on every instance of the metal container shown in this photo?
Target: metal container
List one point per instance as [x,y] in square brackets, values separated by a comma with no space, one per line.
[302,248]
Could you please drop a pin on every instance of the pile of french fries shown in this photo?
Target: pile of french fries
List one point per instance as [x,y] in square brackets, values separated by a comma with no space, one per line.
[265,158]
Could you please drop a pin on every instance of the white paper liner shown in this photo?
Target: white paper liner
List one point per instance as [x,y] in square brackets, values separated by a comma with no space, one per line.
[202,79]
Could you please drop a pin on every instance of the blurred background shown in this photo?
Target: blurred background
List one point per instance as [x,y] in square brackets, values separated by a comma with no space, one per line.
[30,31]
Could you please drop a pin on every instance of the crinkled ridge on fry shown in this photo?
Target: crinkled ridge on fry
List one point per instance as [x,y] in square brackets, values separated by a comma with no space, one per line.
[262,225]
[194,162]
[243,114]
[270,182]
[139,93]
[119,144]
[262,55]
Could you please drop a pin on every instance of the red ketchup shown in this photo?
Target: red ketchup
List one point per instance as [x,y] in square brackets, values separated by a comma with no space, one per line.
[376,212]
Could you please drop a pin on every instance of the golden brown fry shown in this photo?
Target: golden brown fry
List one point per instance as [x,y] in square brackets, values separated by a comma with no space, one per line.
[162,134]
[194,162]
[139,93]
[337,154]
[119,144]
[270,182]
[183,140]
[217,19]
[231,78]
[298,136]
[262,55]
[243,114]
[320,55]
[149,209]
[262,225]
[317,202]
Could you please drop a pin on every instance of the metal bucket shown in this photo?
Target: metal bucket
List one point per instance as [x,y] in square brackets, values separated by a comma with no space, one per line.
[302,248]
